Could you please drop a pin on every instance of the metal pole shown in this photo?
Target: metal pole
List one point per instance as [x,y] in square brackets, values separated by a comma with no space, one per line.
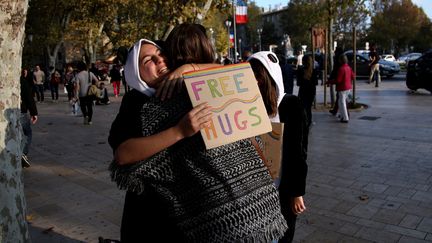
[259,31]
[240,47]
[228,25]
[235,34]
[355,63]
[313,59]
[326,54]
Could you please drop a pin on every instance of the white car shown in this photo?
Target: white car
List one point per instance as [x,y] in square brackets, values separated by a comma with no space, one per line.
[389,57]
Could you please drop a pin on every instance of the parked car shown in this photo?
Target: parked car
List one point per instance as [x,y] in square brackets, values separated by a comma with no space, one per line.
[387,68]
[388,57]
[403,60]
[419,72]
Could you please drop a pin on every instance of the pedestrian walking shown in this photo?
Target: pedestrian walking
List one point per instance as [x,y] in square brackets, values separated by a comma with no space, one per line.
[116,79]
[28,105]
[82,81]
[343,82]
[307,80]
[54,85]
[38,79]
[374,66]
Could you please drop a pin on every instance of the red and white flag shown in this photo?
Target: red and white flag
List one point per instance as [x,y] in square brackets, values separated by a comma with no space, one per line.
[241,12]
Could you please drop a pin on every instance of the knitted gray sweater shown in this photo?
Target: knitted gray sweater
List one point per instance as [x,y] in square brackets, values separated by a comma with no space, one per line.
[223,194]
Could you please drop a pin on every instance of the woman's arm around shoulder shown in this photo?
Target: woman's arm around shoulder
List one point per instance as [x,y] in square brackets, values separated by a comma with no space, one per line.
[142,148]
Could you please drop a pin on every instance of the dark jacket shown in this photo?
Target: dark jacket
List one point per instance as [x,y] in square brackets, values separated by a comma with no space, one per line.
[127,124]
[27,101]
[295,141]
[302,82]
[288,77]
[115,74]
[143,217]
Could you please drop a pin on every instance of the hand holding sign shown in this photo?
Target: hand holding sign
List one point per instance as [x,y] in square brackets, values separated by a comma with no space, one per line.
[235,100]
[198,118]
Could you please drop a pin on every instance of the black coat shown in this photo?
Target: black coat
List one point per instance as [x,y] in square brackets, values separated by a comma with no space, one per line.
[295,141]
[27,101]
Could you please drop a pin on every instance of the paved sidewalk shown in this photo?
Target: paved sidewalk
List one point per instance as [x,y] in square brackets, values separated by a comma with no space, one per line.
[369,180]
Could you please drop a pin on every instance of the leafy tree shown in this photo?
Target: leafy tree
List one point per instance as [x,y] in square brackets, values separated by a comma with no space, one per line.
[400,21]
[353,14]
[254,22]
[97,26]
[216,20]
[299,17]
[423,41]
[47,21]
[269,35]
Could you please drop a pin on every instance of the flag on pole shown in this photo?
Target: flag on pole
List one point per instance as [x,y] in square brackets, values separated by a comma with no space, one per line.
[241,12]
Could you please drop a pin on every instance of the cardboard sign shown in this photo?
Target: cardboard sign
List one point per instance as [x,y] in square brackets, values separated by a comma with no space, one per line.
[237,106]
[273,148]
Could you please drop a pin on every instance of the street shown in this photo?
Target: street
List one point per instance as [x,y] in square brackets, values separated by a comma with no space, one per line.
[369,180]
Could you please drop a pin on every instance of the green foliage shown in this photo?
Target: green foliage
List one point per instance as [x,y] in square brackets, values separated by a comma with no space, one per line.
[301,15]
[400,21]
[216,20]
[103,25]
[254,22]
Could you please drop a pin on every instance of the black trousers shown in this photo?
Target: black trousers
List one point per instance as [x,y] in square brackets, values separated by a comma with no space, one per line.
[86,105]
[307,96]
[145,219]
[290,217]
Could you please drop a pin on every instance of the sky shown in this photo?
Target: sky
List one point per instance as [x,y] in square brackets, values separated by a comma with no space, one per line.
[425,4]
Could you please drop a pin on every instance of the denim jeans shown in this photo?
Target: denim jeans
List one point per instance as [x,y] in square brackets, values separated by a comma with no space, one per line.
[39,89]
[54,91]
[26,127]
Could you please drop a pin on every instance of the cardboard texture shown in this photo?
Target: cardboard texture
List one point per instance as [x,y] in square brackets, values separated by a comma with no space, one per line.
[238,109]
[273,148]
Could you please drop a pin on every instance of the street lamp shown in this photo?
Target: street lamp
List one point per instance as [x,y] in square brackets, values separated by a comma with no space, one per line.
[240,50]
[228,25]
[259,31]
[30,39]
[212,40]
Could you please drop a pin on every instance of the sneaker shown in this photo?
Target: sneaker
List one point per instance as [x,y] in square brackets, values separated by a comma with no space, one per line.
[89,123]
[25,162]
[86,120]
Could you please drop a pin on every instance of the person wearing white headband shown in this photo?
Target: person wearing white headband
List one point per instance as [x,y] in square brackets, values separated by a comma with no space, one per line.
[210,195]
[288,109]
[144,67]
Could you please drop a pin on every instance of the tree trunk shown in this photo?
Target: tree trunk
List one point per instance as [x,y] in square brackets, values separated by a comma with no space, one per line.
[13,226]
[52,55]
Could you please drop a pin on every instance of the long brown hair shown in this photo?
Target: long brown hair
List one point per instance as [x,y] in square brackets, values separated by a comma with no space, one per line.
[188,43]
[308,67]
[267,87]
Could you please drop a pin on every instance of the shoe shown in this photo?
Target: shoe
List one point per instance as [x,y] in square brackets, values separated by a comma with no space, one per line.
[25,162]
[89,123]
[86,120]
[333,112]
[344,121]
